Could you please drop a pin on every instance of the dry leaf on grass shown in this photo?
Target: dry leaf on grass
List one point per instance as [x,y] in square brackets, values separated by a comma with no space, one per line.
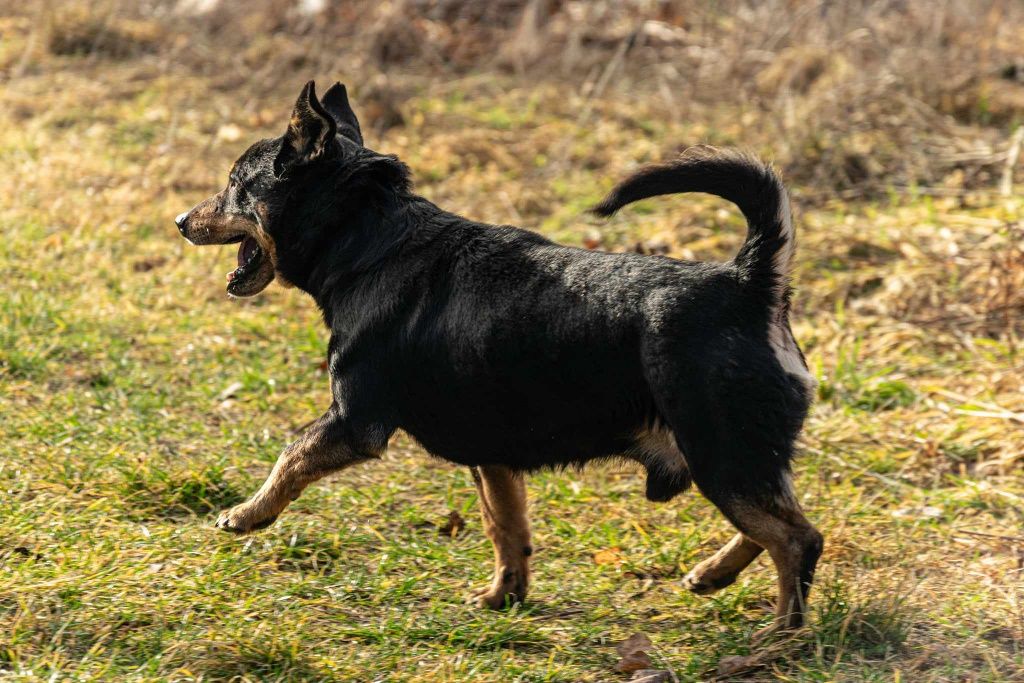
[454,524]
[727,666]
[652,676]
[612,556]
[633,651]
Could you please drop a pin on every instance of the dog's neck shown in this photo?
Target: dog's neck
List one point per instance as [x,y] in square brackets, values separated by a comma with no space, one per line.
[346,223]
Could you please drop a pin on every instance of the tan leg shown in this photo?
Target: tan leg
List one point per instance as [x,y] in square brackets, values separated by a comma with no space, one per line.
[321,450]
[721,569]
[794,546]
[503,505]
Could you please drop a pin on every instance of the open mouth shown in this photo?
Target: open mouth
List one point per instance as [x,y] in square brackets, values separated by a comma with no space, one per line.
[251,261]
[249,256]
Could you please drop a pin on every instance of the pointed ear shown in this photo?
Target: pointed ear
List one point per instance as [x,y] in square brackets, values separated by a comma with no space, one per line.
[336,103]
[310,132]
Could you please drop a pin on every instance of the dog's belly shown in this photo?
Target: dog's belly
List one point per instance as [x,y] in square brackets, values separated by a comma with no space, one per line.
[478,438]
[553,423]
[550,384]
[651,445]
[526,421]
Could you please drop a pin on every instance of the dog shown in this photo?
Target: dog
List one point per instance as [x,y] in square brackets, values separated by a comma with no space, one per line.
[502,351]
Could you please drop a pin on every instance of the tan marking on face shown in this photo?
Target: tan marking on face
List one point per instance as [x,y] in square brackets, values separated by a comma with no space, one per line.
[297,137]
[207,224]
[267,243]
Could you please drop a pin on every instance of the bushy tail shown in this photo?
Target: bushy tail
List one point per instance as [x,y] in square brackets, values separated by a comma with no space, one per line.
[765,257]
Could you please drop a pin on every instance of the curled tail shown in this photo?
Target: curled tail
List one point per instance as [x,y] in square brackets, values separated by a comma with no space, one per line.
[764,259]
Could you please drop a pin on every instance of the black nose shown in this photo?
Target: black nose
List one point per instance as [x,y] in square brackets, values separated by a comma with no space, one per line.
[179,220]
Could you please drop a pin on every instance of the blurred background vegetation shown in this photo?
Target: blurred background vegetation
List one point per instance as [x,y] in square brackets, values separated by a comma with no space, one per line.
[858,97]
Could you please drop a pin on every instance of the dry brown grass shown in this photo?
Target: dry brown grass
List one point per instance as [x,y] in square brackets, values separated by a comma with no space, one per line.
[860,98]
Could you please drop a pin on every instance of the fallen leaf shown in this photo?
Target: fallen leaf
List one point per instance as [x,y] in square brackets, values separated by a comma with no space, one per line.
[612,556]
[453,526]
[651,676]
[633,653]
[728,666]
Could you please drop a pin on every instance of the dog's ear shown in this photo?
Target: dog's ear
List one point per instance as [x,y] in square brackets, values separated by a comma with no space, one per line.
[310,132]
[335,101]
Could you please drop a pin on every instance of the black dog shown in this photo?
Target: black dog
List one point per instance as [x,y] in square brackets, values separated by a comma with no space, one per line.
[500,350]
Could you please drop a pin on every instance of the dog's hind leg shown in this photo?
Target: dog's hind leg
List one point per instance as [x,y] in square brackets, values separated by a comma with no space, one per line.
[328,445]
[502,495]
[794,545]
[765,510]
[722,568]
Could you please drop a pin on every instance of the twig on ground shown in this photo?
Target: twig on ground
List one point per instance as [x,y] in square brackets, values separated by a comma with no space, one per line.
[985,534]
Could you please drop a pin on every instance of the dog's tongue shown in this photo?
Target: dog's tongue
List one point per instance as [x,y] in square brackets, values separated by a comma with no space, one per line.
[245,250]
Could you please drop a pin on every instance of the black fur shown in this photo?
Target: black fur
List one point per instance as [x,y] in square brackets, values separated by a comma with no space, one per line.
[492,345]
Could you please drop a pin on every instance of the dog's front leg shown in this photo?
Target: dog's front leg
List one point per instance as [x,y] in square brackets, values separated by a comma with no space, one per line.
[502,495]
[328,445]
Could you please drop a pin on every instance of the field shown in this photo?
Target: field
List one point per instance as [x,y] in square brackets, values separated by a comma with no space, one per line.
[137,400]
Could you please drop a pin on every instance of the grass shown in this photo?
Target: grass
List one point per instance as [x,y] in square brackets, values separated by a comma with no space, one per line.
[119,443]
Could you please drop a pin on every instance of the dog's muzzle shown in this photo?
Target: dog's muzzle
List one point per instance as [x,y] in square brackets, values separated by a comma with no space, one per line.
[180,220]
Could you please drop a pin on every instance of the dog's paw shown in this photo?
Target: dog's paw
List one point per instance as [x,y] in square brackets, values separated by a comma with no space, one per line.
[494,599]
[700,583]
[511,589]
[243,519]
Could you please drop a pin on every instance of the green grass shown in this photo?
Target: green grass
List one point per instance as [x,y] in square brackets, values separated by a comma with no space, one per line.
[118,450]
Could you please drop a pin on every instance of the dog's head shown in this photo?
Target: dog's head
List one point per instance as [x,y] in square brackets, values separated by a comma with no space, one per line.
[247,211]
